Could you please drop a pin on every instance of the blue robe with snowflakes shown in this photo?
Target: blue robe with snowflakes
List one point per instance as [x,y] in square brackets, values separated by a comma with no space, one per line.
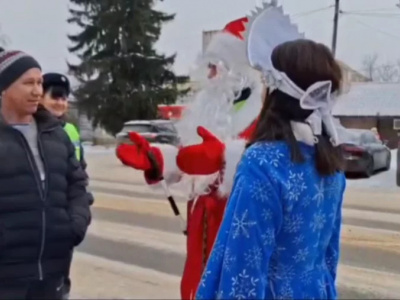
[279,238]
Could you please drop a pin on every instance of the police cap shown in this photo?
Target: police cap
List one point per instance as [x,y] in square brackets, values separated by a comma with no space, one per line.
[56,80]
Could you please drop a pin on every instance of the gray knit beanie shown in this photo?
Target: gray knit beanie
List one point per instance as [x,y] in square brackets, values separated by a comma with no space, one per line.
[12,65]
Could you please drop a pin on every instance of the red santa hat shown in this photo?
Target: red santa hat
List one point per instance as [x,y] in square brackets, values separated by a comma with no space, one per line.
[237,28]
[228,45]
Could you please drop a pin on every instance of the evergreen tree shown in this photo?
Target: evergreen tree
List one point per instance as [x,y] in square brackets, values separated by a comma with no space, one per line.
[121,75]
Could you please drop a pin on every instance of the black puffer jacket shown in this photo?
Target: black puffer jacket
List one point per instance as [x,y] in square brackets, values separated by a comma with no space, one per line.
[40,225]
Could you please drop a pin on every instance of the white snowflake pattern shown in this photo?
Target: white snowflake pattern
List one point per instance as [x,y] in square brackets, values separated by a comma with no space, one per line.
[318,221]
[322,288]
[275,156]
[268,237]
[253,257]
[289,207]
[217,252]
[219,295]
[298,239]
[255,152]
[243,286]
[285,291]
[261,191]
[204,278]
[301,255]
[229,260]
[242,225]
[306,277]
[266,154]
[295,186]
[282,272]
[266,214]
[320,193]
[333,186]
[293,223]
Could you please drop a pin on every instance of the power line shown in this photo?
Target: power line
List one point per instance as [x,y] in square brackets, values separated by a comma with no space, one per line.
[309,12]
[372,10]
[375,28]
[371,14]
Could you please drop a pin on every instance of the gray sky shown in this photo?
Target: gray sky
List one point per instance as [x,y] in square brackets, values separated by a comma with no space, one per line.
[39,27]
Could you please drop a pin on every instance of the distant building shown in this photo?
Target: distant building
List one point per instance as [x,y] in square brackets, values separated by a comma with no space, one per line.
[369,105]
[350,75]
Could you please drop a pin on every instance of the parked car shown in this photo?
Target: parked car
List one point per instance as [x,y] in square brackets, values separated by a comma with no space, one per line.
[365,153]
[155,131]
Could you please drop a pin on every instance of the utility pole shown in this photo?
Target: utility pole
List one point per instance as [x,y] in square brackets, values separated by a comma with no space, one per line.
[335,26]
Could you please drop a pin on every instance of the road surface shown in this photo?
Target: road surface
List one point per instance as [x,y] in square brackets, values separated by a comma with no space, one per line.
[134,248]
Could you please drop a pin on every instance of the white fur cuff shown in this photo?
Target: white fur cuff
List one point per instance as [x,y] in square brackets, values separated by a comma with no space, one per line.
[233,153]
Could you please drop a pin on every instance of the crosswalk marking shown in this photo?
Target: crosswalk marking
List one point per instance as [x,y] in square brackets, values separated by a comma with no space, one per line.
[96,277]
[372,215]
[137,205]
[158,239]
[176,242]
[382,284]
[353,277]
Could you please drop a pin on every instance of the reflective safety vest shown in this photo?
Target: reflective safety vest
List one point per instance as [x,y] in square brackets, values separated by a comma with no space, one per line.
[75,138]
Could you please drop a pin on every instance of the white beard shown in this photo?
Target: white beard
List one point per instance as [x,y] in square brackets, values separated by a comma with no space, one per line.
[212,108]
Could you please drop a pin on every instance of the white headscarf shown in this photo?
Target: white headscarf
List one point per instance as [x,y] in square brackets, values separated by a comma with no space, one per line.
[269,27]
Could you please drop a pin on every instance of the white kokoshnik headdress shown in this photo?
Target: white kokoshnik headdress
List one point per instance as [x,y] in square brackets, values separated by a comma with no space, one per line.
[267,28]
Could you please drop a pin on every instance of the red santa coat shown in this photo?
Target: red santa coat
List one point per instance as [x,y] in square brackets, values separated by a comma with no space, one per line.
[204,216]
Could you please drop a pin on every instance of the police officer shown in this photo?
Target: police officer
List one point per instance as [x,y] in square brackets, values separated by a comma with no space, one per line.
[56,89]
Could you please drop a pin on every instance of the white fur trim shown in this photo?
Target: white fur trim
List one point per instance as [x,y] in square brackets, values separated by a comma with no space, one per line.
[228,48]
[233,153]
[171,173]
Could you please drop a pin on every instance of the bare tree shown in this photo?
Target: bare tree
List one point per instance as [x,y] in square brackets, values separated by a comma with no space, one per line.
[369,66]
[387,72]
[380,72]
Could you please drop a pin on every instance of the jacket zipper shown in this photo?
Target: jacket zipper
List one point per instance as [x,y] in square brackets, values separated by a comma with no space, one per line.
[42,191]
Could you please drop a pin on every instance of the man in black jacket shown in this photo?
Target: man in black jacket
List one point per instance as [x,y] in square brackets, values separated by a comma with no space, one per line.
[44,203]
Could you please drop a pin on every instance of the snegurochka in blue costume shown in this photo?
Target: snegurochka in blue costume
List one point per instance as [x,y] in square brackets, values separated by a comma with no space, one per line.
[279,238]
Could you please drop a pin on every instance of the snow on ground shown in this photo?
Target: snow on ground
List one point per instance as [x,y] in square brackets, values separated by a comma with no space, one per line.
[383,180]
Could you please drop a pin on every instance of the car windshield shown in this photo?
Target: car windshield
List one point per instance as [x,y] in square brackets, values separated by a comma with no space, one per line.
[141,128]
[166,127]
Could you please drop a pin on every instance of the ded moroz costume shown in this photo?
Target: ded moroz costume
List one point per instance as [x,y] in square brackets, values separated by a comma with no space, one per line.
[213,130]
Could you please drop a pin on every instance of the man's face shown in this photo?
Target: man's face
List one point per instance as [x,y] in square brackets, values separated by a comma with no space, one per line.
[212,71]
[23,95]
[55,101]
